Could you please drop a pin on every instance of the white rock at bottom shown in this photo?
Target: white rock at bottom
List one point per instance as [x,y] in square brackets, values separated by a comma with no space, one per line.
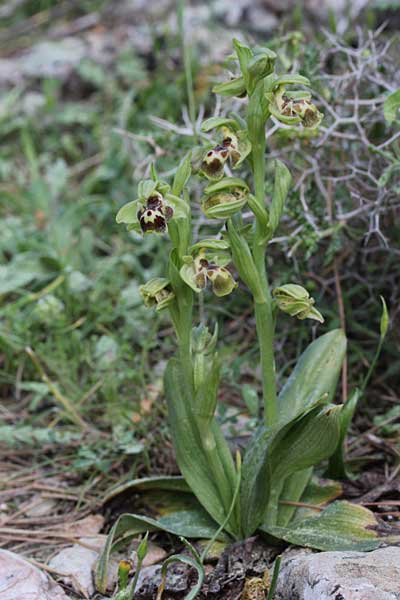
[20,580]
[340,575]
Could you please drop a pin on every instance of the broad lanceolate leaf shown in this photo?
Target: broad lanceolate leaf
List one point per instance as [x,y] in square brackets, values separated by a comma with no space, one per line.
[314,377]
[283,180]
[391,107]
[341,526]
[172,484]
[312,383]
[191,524]
[204,457]
[310,440]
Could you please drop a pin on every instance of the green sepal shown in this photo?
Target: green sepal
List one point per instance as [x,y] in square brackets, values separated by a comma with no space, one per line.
[225,183]
[223,205]
[290,79]
[146,188]
[209,244]
[128,213]
[215,122]
[244,55]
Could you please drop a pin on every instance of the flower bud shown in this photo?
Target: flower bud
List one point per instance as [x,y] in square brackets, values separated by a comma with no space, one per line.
[157,292]
[224,204]
[124,567]
[296,301]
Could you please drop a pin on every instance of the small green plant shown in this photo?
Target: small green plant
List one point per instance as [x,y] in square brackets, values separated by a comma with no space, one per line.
[301,426]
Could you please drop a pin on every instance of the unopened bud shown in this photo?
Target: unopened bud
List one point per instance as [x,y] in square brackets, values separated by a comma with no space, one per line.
[157,293]
[296,301]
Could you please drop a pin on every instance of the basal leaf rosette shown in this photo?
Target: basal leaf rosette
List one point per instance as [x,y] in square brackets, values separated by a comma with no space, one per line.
[206,266]
[293,107]
[234,146]
[225,198]
[157,293]
[153,210]
[294,300]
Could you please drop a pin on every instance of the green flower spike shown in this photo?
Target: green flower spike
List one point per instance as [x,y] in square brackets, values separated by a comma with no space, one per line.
[293,108]
[199,271]
[157,293]
[296,301]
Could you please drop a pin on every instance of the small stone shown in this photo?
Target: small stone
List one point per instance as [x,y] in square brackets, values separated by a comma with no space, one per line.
[340,575]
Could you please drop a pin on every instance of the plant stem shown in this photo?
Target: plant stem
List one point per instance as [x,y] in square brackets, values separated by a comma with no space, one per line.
[263,311]
[187,66]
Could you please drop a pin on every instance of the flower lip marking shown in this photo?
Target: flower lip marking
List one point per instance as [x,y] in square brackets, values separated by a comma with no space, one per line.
[155,214]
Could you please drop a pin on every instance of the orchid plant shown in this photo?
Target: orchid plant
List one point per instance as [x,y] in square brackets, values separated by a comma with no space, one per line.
[301,425]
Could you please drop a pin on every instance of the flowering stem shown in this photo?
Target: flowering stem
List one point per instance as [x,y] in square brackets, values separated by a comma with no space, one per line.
[263,311]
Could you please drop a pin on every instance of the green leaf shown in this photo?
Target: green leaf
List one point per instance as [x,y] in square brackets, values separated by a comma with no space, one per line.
[309,441]
[182,174]
[341,526]
[337,465]
[312,383]
[172,484]
[318,493]
[203,455]
[292,491]
[191,524]
[244,262]
[215,122]
[391,107]
[314,377]
[283,180]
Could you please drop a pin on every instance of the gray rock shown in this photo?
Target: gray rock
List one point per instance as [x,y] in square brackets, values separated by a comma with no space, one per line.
[20,580]
[340,575]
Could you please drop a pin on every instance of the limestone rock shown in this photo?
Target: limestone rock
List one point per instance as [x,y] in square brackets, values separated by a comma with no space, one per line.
[20,580]
[340,575]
